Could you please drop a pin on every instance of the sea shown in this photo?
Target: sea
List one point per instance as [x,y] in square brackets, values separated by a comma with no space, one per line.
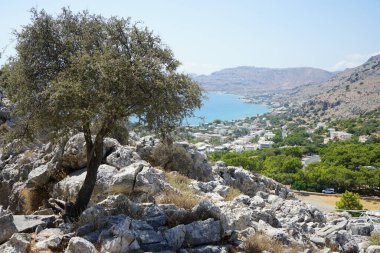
[224,107]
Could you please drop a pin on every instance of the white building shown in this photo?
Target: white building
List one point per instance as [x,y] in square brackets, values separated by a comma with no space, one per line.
[269,135]
[264,144]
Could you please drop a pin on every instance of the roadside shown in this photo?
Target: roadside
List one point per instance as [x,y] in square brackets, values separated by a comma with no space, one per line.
[326,202]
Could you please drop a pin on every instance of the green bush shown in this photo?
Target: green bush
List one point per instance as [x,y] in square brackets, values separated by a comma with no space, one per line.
[172,158]
[349,201]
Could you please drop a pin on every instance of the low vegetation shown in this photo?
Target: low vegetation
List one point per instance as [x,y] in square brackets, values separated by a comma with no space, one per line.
[184,197]
[344,166]
[349,201]
[260,242]
[232,193]
[375,238]
[172,158]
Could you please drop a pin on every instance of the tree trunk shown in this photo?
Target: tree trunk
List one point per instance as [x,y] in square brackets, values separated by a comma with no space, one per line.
[94,159]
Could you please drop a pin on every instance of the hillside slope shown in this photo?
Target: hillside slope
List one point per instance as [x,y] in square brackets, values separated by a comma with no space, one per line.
[350,93]
[242,79]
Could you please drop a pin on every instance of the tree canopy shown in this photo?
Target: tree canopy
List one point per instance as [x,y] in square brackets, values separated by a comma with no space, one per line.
[83,72]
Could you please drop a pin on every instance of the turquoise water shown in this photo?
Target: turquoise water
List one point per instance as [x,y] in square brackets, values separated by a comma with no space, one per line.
[224,107]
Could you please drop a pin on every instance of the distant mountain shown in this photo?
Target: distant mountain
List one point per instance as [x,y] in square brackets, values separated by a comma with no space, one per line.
[243,79]
[350,93]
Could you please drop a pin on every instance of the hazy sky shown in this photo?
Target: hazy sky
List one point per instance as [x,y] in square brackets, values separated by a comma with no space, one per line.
[208,35]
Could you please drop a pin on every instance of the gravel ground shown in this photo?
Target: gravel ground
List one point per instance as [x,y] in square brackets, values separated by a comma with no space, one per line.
[326,203]
[318,202]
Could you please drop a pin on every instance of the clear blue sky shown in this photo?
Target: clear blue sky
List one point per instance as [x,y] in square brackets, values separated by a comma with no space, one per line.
[208,35]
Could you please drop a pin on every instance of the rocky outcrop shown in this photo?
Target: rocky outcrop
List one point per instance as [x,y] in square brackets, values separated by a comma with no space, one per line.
[122,157]
[199,169]
[7,226]
[74,155]
[342,241]
[80,245]
[123,216]
[247,182]
[19,243]
[139,177]
[69,187]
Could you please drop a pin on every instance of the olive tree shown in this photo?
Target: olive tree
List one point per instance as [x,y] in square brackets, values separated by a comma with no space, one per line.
[78,72]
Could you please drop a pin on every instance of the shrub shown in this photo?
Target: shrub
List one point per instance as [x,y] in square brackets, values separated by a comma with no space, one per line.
[349,201]
[172,158]
[375,238]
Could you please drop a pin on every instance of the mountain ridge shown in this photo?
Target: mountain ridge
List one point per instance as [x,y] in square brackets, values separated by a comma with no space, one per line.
[342,95]
[246,78]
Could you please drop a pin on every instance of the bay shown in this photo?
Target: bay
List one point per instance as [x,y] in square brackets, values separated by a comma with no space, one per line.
[224,107]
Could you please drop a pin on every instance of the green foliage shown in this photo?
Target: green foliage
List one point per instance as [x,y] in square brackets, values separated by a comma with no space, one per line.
[351,155]
[80,71]
[172,157]
[349,201]
[364,125]
[343,166]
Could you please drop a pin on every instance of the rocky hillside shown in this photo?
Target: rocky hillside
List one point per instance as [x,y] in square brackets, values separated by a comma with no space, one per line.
[137,207]
[243,79]
[350,93]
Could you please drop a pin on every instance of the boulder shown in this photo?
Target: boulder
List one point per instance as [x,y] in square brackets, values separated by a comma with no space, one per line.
[138,177]
[175,236]
[274,233]
[233,215]
[257,201]
[122,157]
[211,249]
[357,228]
[75,156]
[342,241]
[373,249]
[336,225]
[28,223]
[203,232]
[299,215]
[154,216]
[40,176]
[247,182]
[52,242]
[145,146]
[80,245]
[7,225]
[69,187]
[176,215]
[19,243]
[120,204]
[119,238]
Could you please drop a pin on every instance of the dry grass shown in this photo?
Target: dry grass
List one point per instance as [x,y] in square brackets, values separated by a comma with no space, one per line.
[32,199]
[260,242]
[184,198]
[375,238]
[330,200]
[232,193]
[178,181]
